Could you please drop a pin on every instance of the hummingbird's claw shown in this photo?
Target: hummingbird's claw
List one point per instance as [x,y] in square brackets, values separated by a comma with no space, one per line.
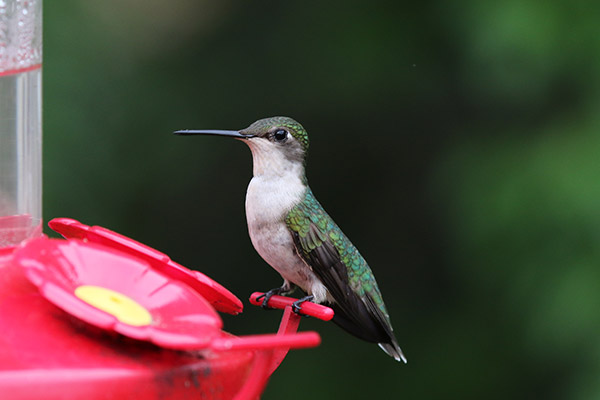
[297,305]
[267,296]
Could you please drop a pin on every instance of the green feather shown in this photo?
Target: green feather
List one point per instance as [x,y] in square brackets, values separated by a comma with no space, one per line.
[315,228]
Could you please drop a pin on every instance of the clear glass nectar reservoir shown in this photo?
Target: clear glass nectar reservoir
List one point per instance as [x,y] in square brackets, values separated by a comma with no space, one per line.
[20,120]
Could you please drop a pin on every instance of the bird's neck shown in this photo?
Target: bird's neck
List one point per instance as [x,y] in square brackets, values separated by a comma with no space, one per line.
[274,165]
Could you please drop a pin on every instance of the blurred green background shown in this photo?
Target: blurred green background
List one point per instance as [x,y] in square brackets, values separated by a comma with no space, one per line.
[456,143]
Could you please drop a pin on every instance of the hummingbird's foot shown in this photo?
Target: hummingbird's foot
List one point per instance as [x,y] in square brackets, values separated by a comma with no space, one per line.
[297,305]
[286,288]
[267,296]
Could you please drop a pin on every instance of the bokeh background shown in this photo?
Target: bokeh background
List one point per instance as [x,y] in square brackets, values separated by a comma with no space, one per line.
[456,143]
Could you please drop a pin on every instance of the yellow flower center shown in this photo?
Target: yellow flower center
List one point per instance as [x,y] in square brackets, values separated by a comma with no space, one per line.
[124,308]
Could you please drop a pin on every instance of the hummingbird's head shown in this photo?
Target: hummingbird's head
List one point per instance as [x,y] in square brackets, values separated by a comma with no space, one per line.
[282,131]
[277,137]
[278,144]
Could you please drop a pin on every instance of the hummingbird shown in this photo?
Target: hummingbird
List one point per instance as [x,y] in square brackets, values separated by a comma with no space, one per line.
[294,234]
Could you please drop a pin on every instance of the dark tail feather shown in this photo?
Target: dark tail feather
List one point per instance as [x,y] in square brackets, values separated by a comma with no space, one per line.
[393,350]
[369,329]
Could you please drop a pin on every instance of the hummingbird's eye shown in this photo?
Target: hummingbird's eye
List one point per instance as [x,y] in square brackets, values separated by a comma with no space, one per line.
[280,135]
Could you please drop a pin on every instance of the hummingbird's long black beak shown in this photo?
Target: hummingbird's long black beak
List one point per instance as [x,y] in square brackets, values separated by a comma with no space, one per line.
[234,134]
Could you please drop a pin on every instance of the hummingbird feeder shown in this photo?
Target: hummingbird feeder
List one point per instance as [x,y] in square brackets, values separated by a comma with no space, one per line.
[98,315]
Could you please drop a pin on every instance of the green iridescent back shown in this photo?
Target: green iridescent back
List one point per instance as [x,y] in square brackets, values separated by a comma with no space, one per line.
[310,213]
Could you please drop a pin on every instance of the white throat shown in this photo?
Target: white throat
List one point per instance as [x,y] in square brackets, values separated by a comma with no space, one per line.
[268,160]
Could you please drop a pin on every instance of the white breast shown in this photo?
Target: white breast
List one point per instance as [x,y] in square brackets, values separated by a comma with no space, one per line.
[267,204]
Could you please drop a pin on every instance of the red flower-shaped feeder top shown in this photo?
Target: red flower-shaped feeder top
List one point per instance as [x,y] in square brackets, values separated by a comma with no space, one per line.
[116,283]
[219,297]
[114,291]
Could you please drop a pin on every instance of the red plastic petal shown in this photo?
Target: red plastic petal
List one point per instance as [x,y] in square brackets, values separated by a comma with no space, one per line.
[181,318]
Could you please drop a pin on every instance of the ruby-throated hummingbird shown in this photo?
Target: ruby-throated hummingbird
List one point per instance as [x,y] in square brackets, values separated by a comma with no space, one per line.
[293,233]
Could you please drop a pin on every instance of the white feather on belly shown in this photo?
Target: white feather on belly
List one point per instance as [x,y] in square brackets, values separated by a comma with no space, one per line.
[265,213]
